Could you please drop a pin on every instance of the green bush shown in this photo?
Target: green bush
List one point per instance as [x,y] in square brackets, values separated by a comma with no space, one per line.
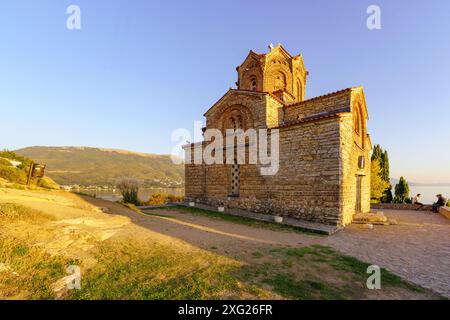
[47,183]
[129,189]
[13,174]
[4,162]
[13,156]
[402,192]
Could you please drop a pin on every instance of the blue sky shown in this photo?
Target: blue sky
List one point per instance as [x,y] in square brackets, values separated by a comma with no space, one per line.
[137,70]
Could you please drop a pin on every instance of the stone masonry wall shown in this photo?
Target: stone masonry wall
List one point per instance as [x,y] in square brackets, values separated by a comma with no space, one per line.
[350,152]
[305,187]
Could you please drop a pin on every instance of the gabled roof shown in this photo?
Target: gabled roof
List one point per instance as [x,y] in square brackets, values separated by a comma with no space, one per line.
[315,117]
[279,48]
[233,91]
[320,97]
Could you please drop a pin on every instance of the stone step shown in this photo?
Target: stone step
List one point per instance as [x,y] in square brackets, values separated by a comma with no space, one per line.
[445,211]
[370,217]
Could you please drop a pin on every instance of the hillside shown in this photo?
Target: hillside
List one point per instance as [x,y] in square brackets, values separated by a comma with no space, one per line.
[99,167]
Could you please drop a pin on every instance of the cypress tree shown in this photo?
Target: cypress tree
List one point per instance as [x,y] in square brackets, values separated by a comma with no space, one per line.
[377,184]
[376,154]
[387,195]
[382,157]
[402,192]
[385,166]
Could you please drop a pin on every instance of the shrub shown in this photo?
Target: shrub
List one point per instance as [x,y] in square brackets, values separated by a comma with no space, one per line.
[402,191]
[13,174]
[13,156]
[157,199]
[4,162]
[129,189]
[47,183]
[162,198]
[174,199]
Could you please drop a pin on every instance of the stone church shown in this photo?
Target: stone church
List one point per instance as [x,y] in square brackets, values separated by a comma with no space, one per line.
[324,164]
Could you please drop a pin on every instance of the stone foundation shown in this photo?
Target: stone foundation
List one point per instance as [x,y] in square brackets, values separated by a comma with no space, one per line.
[399,206]
[445,211]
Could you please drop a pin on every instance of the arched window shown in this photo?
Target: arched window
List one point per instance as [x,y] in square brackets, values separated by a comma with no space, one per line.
[235,180]
[279,81]
[357,122]
[253,83]
[233,123]
[359,125]
[299,90]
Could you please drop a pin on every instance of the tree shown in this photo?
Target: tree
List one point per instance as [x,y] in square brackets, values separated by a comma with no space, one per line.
[382,157]
[402,192]
[385,165]
[387,196]
[376,153]
[377,184]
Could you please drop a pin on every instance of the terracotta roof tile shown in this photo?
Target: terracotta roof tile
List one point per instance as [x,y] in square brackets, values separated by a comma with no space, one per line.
[315,117]
[319,97]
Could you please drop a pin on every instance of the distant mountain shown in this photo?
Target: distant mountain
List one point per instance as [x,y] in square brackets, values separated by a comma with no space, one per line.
[100,167]
[444,184]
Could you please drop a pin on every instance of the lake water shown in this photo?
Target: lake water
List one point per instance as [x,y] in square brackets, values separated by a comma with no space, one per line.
[144,193]
[428,193]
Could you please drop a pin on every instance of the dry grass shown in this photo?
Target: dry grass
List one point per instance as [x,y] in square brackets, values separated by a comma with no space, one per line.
[10,212]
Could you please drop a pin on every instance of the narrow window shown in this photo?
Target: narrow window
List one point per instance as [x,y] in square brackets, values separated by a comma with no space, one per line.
[357,124]
[235,179]
[235,168]
[279,81]
[253,84]
[299,91]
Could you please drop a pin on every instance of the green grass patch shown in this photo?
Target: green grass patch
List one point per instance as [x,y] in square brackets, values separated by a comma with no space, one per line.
[241,220]
[257,254]
[301,252]
[351,265]
[132,271]
[317,272]
[27,272]
[306,289]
